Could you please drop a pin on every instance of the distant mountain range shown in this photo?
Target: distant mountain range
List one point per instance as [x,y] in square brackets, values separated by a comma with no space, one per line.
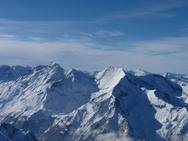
[57,104]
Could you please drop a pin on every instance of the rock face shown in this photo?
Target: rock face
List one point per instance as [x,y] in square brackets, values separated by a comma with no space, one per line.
[9,133]
[113,104]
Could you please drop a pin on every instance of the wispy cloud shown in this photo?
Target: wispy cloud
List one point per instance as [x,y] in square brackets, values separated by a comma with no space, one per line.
[43,29]
[53,30]
[155,9]
[106,33]
[162,46]
[6,36]
[90,55]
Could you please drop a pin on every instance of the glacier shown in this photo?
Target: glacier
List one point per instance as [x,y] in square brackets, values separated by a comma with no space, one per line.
[57,104]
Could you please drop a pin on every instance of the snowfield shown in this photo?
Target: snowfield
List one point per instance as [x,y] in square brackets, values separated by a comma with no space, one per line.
[56,104]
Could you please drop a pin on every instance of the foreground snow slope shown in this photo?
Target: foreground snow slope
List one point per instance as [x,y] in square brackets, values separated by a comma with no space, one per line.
[70,105]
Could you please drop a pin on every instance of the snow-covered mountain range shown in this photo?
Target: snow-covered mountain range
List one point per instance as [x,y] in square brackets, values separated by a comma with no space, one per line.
[114,104]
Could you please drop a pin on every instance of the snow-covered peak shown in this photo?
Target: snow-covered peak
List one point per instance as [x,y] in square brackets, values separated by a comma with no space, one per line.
[52,63]
[109,77]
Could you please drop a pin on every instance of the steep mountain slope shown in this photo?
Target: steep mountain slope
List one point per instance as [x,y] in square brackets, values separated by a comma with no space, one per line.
[10,133]
[71,105]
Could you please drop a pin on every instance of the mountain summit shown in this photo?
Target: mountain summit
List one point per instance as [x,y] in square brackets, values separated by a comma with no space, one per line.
[57,104]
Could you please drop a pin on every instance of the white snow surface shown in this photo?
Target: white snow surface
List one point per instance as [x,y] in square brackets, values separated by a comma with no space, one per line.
[56,104]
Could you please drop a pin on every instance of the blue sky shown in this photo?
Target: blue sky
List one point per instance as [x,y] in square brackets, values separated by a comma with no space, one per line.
[93,34]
